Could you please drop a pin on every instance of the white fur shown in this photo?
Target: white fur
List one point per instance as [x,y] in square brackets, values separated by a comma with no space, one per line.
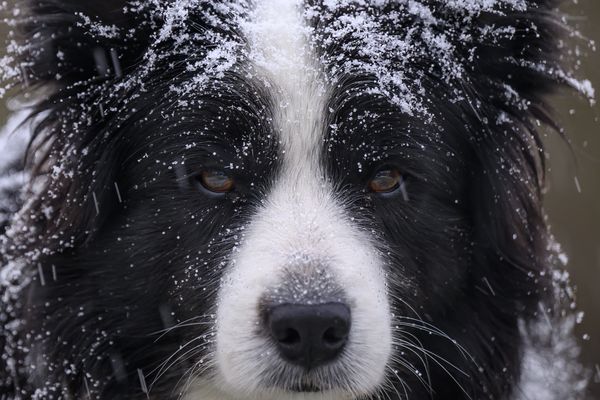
[300,222]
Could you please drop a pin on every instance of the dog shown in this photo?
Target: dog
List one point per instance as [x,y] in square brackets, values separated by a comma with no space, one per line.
[284,200]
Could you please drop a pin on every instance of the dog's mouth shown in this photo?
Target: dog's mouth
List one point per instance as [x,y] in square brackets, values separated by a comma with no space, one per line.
[304,385]
[306,388]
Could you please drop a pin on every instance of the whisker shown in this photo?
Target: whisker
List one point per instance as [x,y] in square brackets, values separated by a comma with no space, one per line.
[433,356]
[402,383]
[424,361]
[437,359]
[191,373]
[161,368]
[414,371]
[180,325]
[175,326]
[434,330]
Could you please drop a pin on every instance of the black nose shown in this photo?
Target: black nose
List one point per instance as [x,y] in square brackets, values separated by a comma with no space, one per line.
[310,335]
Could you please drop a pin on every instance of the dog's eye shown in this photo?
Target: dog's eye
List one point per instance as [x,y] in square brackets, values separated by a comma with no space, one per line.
[385,181]
[216,181]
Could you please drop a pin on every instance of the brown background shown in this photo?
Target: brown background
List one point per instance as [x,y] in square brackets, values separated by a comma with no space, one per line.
[574,215]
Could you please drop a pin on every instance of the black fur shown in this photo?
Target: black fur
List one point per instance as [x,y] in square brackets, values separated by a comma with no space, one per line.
[129,220]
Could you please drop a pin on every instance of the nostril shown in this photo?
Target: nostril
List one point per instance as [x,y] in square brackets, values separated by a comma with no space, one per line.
[309,335]
[334,337]
[289,337]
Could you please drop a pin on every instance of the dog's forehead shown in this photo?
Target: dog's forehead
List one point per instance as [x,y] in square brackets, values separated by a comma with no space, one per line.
[280,51]
[324,54]
[309,72]
[313,84]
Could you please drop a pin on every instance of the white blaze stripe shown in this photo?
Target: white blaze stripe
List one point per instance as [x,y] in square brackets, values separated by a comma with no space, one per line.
[300,220]
[280,49]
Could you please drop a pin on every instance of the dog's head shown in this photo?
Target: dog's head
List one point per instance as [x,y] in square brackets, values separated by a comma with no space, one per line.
[313,200]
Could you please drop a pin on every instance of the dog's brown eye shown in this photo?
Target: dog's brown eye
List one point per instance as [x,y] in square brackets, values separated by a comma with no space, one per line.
[217,181]
[385,181]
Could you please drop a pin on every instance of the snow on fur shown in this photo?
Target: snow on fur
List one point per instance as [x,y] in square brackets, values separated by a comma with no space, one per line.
[444,35]
[449,30]
[13,142]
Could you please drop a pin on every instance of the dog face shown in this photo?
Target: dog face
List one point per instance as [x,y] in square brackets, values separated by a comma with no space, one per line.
[296,212]
[313,222]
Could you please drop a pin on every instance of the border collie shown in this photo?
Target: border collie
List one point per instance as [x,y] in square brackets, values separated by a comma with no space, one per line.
[283,200]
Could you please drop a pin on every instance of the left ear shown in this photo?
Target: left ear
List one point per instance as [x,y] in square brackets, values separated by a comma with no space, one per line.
[510,232]
[507,85]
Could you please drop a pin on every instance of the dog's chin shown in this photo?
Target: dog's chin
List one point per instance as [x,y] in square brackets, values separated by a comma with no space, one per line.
[203,390]
[306,388]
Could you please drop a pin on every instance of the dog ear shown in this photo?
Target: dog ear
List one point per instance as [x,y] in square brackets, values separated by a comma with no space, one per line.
[526,60]
[508,86]
[65,42]
[511,268]
[65,56]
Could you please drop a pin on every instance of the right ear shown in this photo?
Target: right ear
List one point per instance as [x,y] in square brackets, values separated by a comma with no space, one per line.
[70,55]
[69,42]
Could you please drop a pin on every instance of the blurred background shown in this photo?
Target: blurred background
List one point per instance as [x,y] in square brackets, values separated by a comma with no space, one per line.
[573,195]
[573,186]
